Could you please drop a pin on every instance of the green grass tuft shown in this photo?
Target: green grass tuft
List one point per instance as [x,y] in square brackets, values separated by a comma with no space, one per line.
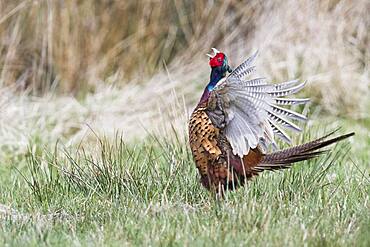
[149,194]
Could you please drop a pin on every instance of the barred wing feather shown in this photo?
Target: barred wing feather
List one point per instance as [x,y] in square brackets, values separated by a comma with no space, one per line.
[252,112]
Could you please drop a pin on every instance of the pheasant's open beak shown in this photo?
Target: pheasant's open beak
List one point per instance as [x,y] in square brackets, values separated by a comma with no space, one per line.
[215,51]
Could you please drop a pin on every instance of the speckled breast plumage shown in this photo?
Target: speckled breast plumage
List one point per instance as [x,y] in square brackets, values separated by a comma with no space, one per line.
[210,151]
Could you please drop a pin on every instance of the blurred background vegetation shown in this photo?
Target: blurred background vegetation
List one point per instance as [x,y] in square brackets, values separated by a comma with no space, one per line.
[74,44]
[112,64]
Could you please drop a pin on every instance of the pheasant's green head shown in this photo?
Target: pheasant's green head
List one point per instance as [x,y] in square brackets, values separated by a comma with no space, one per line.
[219,65]
[219,61]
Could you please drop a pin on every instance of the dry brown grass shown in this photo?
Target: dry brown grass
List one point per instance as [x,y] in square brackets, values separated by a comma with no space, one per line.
[77,44]
[86,46]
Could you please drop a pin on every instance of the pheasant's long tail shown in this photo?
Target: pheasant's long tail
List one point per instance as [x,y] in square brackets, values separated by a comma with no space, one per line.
[285,158]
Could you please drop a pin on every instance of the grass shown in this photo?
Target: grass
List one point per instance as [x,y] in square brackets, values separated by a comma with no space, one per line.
[148,194]
[73,45]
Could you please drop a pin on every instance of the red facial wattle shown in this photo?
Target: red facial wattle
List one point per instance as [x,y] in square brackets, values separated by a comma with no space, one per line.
[217,60]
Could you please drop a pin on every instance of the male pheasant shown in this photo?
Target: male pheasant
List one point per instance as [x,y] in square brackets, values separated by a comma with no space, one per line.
[235,122]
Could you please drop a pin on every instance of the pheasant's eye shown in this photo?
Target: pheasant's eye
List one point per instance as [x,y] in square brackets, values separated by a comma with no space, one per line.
[219,59]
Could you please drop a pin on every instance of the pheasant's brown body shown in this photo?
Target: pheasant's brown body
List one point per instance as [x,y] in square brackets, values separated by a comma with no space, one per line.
[218,167]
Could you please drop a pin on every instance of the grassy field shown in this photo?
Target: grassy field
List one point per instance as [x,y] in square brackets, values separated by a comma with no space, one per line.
[149,194]
[93,115]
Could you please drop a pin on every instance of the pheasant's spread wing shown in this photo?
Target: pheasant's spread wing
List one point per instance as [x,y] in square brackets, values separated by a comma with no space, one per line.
[249,111]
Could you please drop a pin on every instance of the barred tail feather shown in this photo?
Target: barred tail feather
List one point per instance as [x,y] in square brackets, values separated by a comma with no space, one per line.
[285,158]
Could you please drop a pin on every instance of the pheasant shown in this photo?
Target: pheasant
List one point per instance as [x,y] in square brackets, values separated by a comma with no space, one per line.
[235,122]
